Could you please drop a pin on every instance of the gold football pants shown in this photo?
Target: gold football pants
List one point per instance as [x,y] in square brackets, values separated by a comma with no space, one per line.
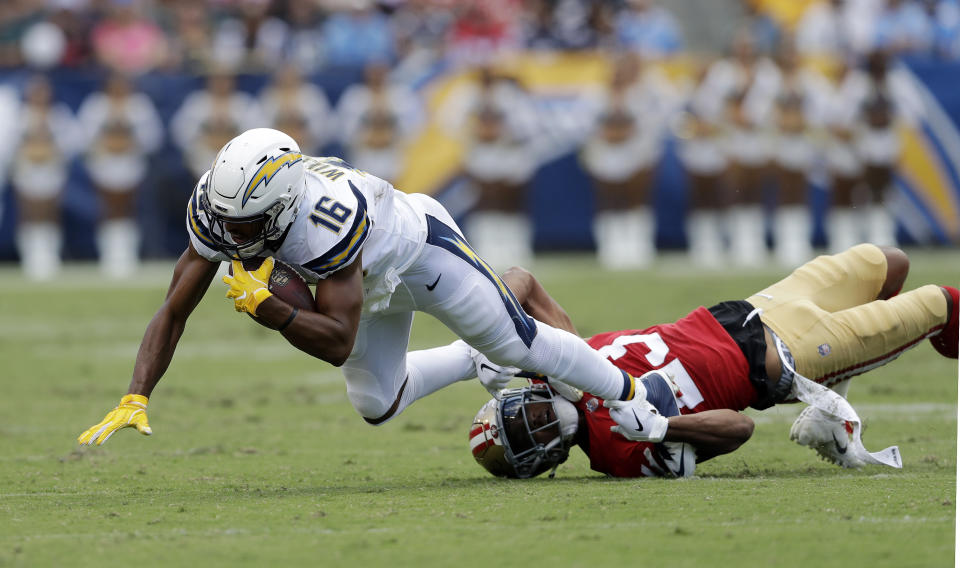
[827,314]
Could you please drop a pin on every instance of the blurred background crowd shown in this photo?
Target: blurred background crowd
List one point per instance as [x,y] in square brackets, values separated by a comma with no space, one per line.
[739,131]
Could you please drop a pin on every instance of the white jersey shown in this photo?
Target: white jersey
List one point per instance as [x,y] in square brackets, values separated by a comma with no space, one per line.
[343,211]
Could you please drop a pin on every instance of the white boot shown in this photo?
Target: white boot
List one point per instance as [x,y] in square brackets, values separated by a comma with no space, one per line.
[792,225]
[844,229]
[705,238]
[516,240]
[747,238]
[881,228]
[606,233]
[501,239]
[119,243]
[641,231]
[624,239]
[39,247]
[482,233]
[633,243]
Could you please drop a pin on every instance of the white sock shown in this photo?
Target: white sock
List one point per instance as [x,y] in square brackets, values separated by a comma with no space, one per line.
[39,247]
[842,388]
[429,370]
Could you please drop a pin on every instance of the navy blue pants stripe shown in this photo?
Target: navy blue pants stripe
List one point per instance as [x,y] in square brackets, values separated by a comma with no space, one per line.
[440,235]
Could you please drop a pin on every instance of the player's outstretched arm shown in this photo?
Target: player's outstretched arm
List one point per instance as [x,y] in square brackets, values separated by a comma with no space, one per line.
[328,333]
[712,432]
[535,300]
[191,278]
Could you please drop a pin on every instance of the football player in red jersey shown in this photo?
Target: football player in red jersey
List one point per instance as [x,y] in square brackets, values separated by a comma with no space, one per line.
[832,318]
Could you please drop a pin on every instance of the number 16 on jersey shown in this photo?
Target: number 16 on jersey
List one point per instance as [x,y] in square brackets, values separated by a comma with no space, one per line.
[330,214]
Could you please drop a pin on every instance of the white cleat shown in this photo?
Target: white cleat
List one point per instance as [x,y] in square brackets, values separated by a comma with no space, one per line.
[828,436]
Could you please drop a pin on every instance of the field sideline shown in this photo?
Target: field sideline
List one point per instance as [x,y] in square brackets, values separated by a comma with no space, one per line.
[257,457]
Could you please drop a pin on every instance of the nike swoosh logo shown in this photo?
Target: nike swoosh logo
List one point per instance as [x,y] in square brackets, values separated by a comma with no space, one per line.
[840,449]
[682,464]
[430,287]
[639,425]
[485,366]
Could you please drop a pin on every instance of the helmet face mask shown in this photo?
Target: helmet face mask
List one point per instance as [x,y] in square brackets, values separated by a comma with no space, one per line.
[268,233]
[257,180]
[525,433]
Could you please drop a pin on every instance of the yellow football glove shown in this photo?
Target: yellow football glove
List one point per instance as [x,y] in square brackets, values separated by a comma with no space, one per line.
[131,412]
[249,289]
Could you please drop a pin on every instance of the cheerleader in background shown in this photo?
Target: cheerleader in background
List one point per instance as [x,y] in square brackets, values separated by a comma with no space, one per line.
[123,129]
[878,147]
[377,119]
[46,143]
[736,94]
[794,158]
[802,101]
[499,164]
[843,163]
[210,117]
[621,156]
[747,144]
[496,122]
[289,102]
[871,105]
[699,150]
[213,133]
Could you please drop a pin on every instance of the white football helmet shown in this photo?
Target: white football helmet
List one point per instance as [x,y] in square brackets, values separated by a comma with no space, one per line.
[524,433]
[258,177]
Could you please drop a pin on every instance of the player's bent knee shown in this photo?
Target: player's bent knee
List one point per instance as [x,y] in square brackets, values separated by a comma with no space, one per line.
[744,430]
[735,434]
[898,266]
[373,410]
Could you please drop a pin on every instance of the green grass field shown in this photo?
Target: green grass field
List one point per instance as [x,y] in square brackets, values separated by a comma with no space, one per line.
[258,459]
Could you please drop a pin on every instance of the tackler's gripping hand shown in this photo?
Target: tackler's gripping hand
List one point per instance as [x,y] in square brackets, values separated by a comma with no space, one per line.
[637,419]
[130,413]
[249,289]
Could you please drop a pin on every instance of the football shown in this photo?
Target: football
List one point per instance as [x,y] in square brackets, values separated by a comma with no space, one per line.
[285,283]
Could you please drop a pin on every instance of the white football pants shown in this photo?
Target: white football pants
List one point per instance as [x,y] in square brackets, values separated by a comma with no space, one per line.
[450,282]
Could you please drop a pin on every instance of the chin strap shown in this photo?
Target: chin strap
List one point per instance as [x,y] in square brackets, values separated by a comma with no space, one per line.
[830,402]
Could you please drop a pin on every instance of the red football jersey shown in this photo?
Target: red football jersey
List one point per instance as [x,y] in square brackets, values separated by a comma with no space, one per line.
[697,354]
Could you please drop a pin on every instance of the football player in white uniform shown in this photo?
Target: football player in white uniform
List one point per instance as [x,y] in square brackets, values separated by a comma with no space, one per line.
[376,255]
